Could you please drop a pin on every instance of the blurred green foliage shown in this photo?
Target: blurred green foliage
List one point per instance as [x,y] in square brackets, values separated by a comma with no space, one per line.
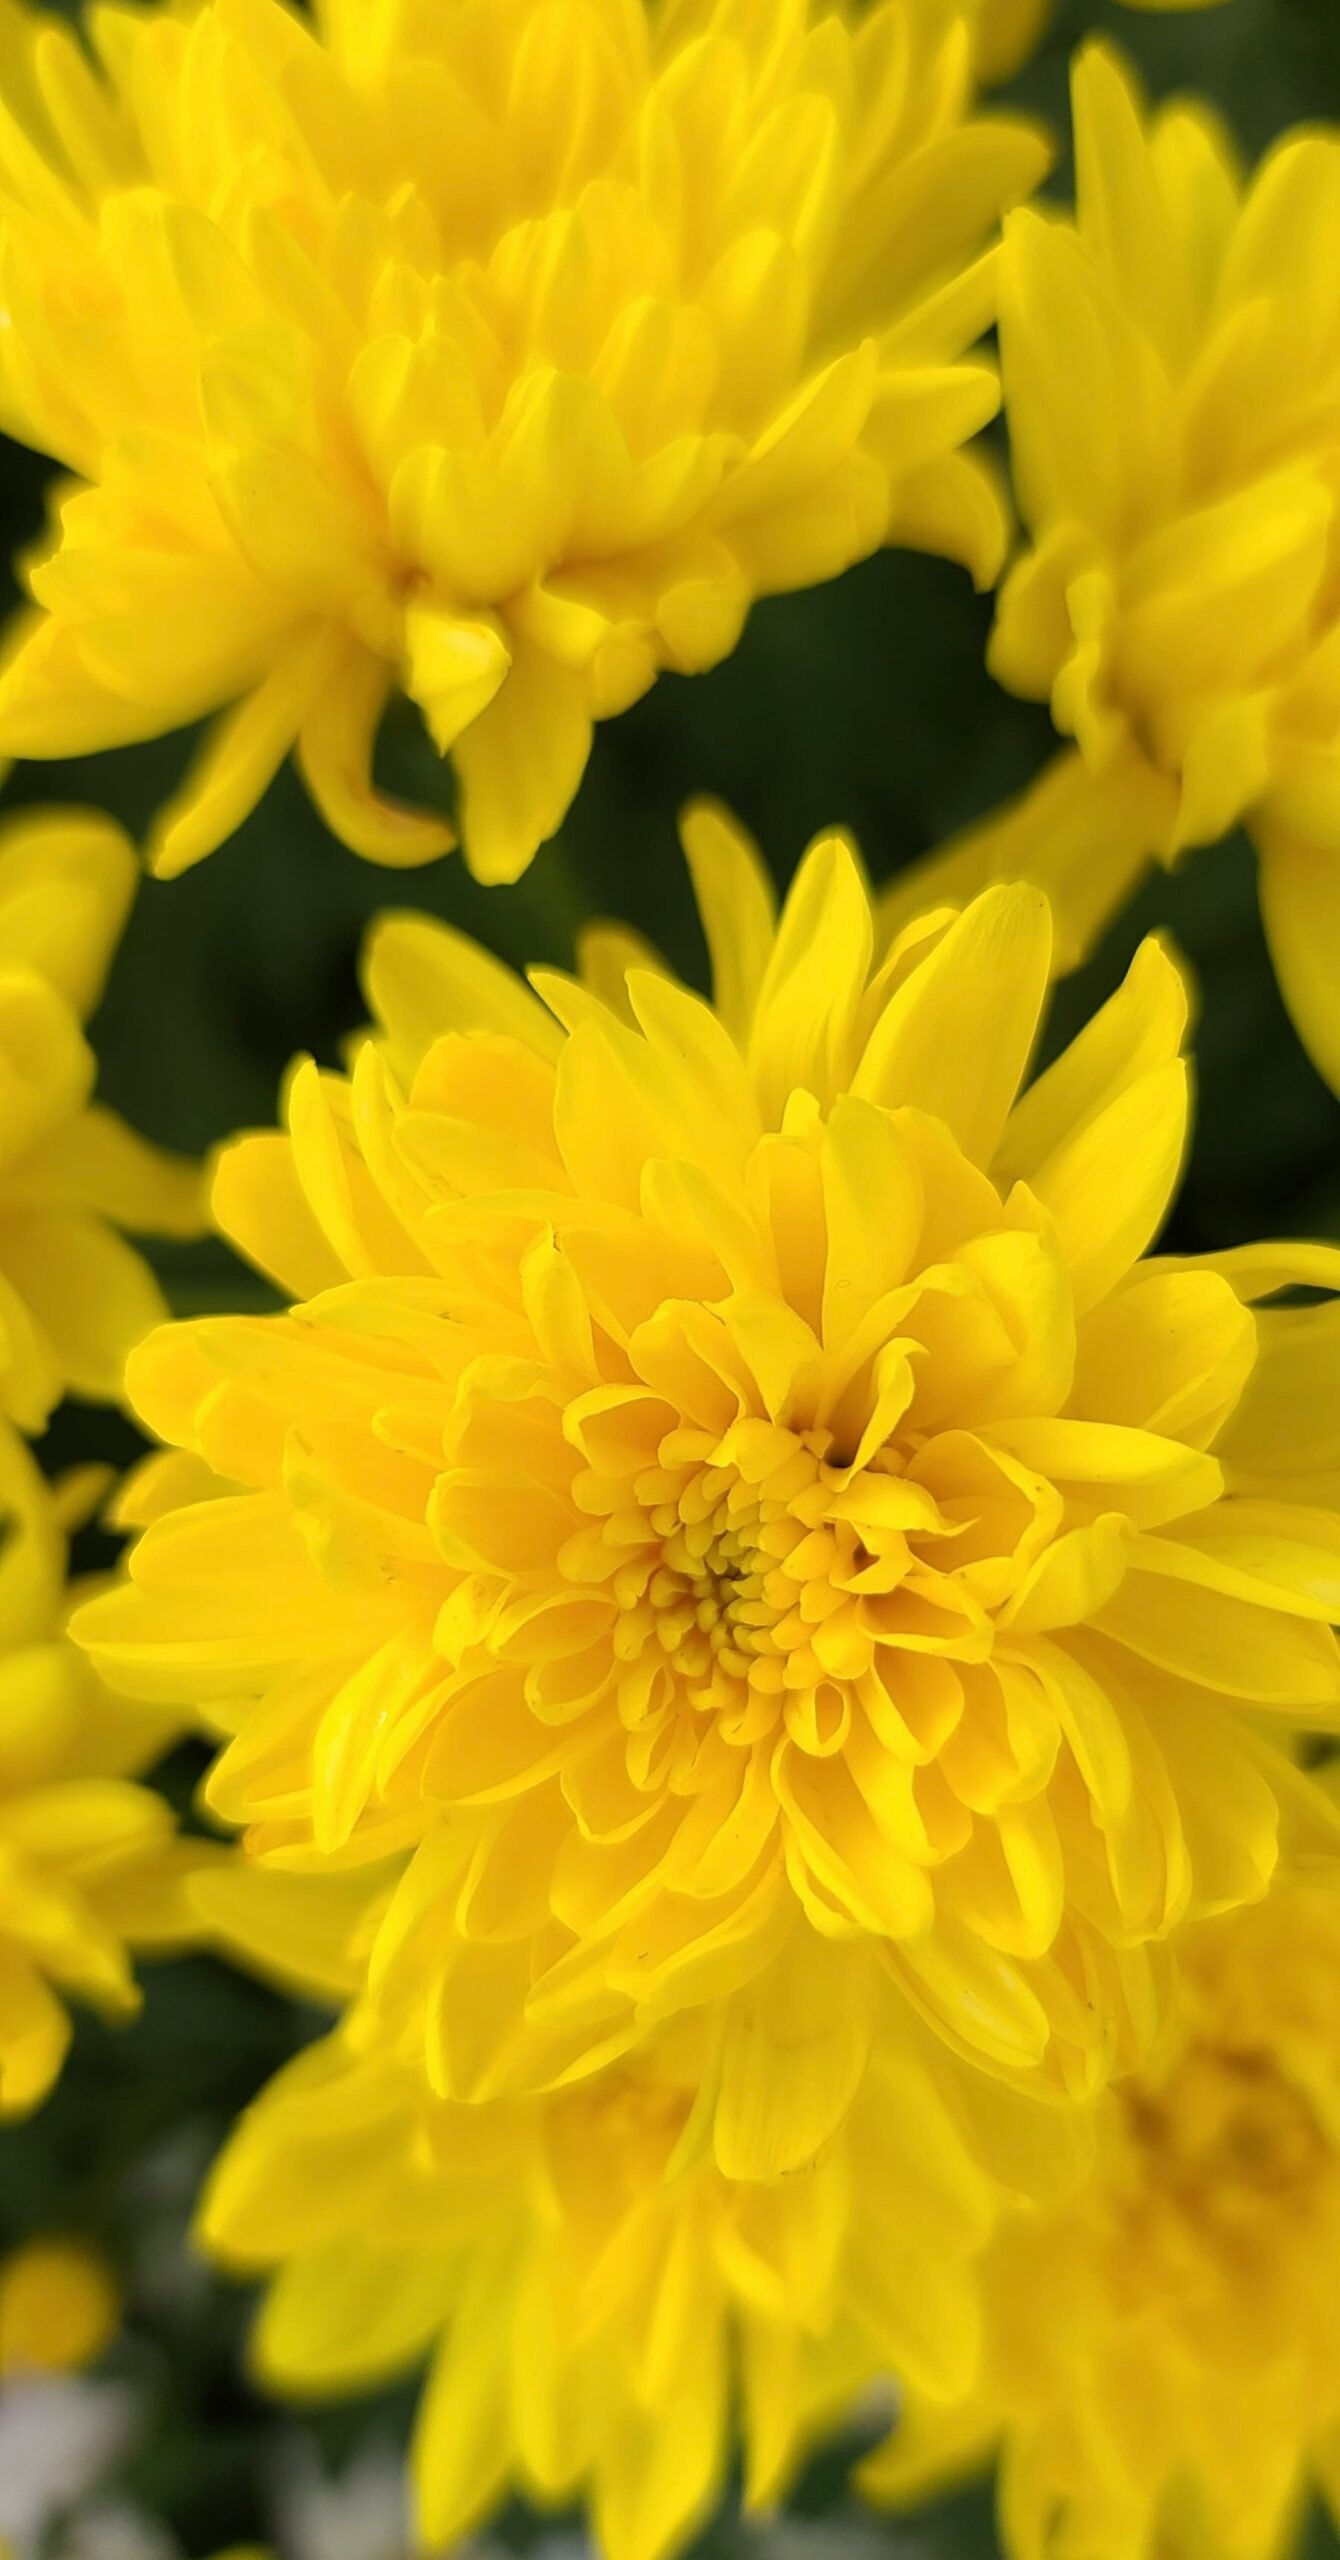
[866,703]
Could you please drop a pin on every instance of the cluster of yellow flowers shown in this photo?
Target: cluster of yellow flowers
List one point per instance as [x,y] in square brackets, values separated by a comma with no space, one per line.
[87,1860]
[765,1645]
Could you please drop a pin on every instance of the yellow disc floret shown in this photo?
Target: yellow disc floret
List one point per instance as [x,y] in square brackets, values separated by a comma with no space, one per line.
[676,320]
[734,1492]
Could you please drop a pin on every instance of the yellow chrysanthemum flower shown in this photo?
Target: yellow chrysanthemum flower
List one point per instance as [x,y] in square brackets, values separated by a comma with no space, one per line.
[73,1294]
[1171,359]
[732,1492]
[677,321]
[1162,2361]
[602,2307]
[89,1864]
[59,2308]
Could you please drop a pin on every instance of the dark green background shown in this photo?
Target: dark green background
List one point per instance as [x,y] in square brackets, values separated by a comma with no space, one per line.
[865,703]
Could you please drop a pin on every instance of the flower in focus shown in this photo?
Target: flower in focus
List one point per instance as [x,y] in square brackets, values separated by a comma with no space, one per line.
[89,1865]
[678,321]
[732,1497]
[601,2306]
[73,1294]
[1171,360]
[59,2308]
[1162,2360]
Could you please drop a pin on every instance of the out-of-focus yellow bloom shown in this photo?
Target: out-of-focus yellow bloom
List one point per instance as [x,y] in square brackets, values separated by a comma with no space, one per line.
[676,321]
[73,1294]
[1171,361]
[1162,2361]
[732,1490]
[89,1864]
[59,2308]
[603,2308]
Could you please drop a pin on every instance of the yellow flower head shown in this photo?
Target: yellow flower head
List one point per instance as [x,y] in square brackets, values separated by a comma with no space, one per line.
[1162,2361]
[59,2308]
[1171,359]
[732,1491]
[602,2307]
[73,1295]
[88,1861]
[676,321]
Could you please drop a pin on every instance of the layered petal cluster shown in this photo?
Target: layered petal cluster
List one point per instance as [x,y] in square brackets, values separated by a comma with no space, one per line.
[1162,2360]
[89,1862]
[732,1495]
[678,320]
[73,1295]
[1171,359]
[605,2313]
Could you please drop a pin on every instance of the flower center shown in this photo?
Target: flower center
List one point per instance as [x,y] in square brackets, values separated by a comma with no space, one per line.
[1230,2139]
[740,1589]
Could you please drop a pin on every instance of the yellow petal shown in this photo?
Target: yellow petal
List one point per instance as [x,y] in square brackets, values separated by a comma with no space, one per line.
[520,762]
[806,1006]
[240,758]
[463,2434]
[335,751]
[454,669]
[738,907]
[67,878]
[955,1038]
[349,2315]
[1228,1645]
[1300,906]
[34,2035]
[46,1065]
[99,1164]
[1083,839]
[794,2054]
[259,1204]
[97,1298]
